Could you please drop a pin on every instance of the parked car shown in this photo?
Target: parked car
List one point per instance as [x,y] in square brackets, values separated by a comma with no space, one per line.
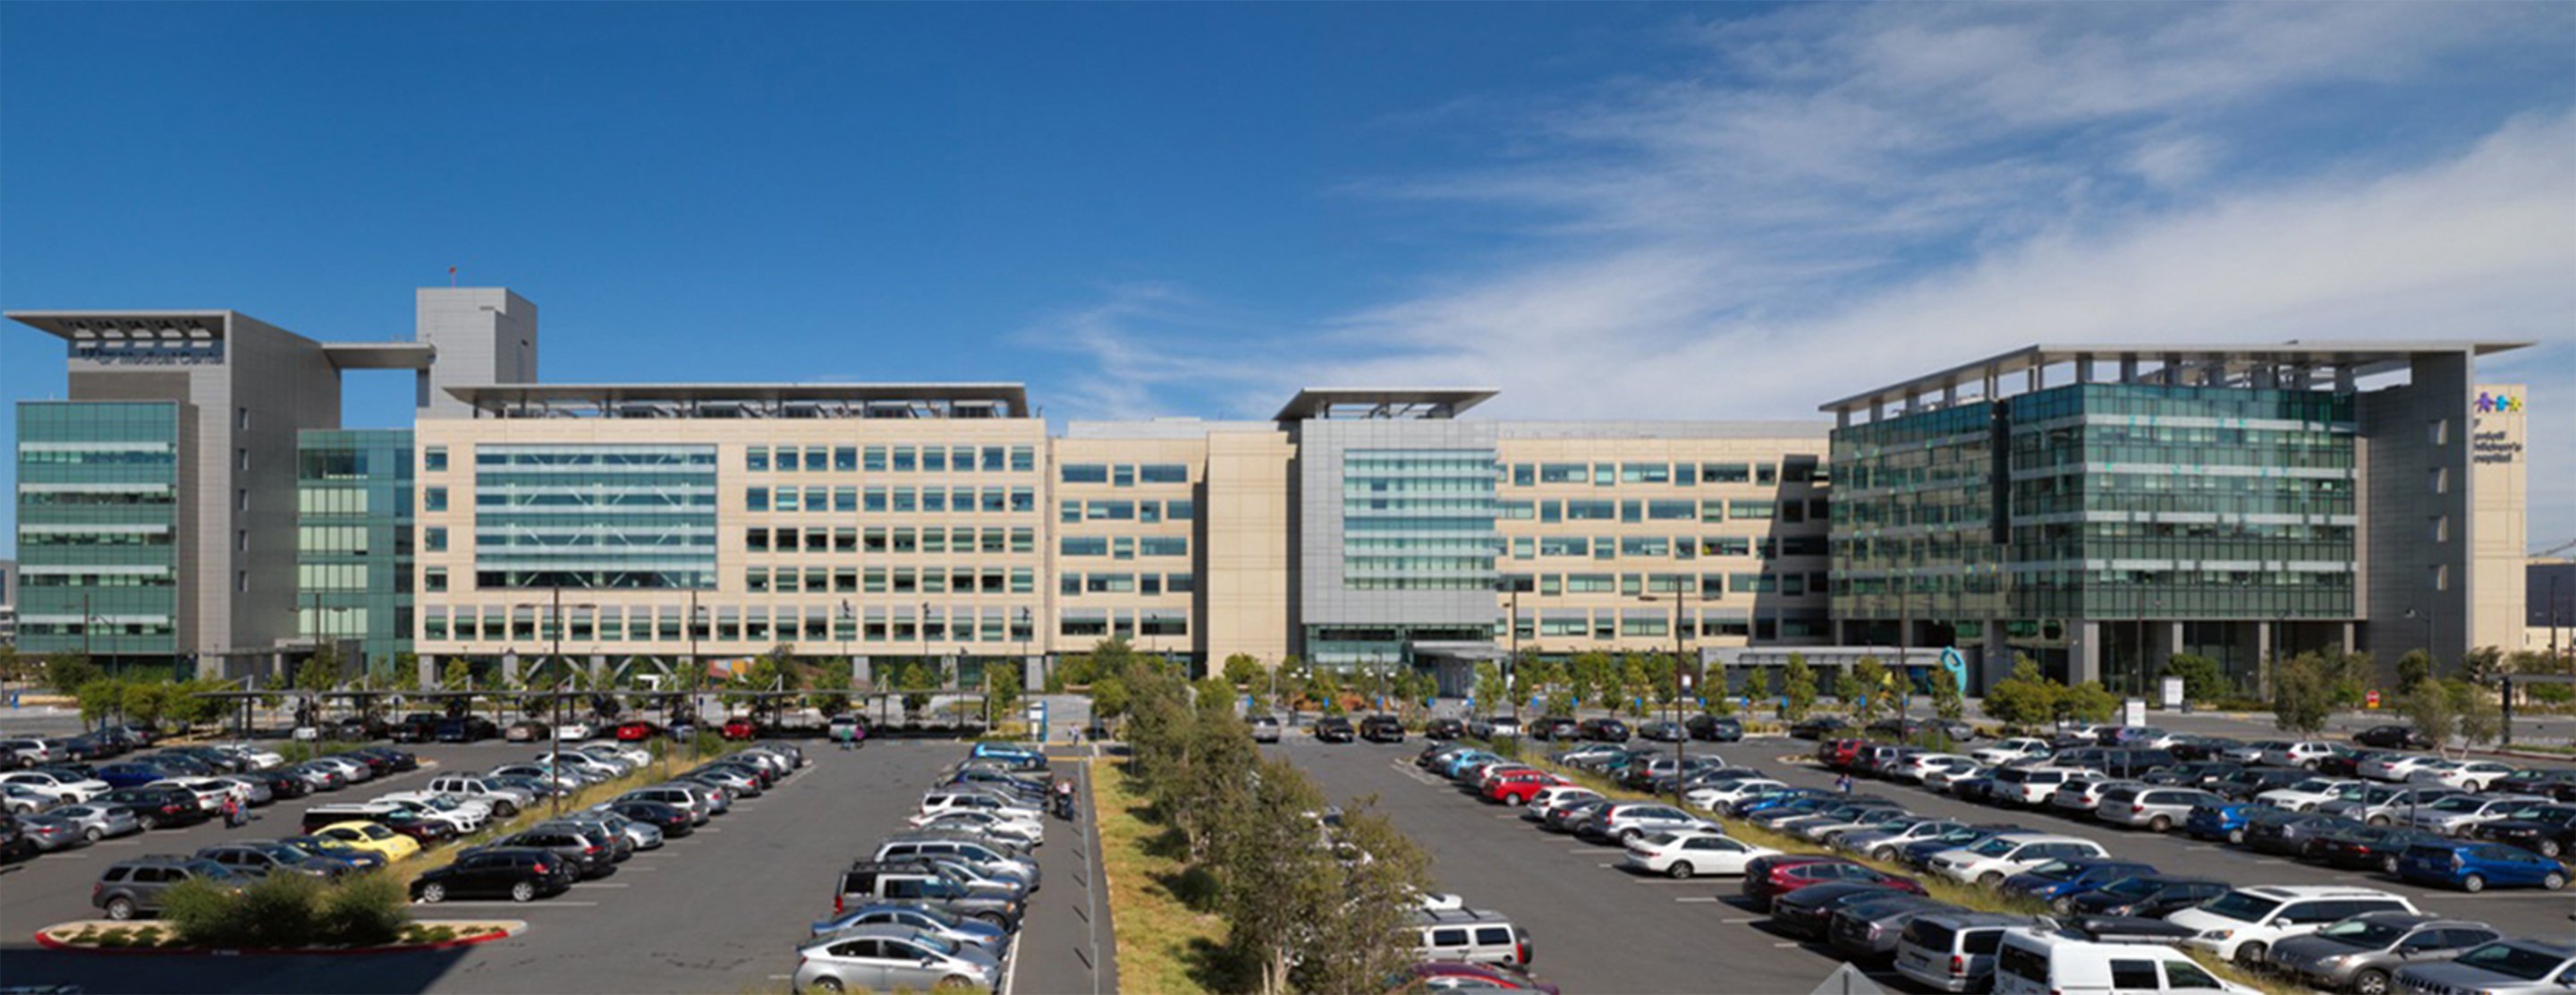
[2073,876]
[1818,727]
[1714,729]
[373,837]
[97,821]
[2457,815]
[1953,951]
[2034,962]
[324,846]
[2393,737]
[131,888]
[1444,729]
[2472,866]
[2382,805]
[1689,852]
[154,808]
[1808,912]
[1382,729]
[1431,977]
[526,731]
[1334,729]
[2361,954]
[2145,896]
[1603,730]
[2503,967]
[919,881]
[2306,794]
[260,858]
[2396,767]
[954,929]
[1768,878]
[2243,924]
[1867,929]
[516,873]
[1476,936]
[1988,863]
[2013,750]
[888,957]
[2303,754]
[2151,807]
[2548,830]
[1623,821]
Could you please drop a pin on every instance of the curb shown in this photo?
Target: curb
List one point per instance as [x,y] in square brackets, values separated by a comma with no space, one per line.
[510,928]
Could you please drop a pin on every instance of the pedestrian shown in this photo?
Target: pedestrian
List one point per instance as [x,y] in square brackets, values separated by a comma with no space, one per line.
[232,812]
[859,736]
[1843,783]
[1064,798]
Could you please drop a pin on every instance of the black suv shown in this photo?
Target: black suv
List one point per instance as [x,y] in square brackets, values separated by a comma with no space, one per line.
[1714,729]
[586,857]
[1382,729]
[1444,729]
[520,875]
[2393,737]
[472,729]
[1603,731]
[157,807]
[1333,729]
[1553,727]
[134,887]
[415,728]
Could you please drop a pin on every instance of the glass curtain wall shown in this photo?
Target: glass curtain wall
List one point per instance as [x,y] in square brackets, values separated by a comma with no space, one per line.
[354,541]
[98,529]
[595,516]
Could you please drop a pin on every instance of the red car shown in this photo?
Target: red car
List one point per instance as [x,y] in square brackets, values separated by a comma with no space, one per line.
[1766,878]
[637,731]
[1839,753]
[1517,787]
[738,729]
[1446,976]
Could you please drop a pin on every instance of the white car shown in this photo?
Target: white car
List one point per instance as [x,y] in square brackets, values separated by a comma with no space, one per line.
[2466,775]
[2310,793]
[2252,753]
[1551,796]
[20,799]
[1710,797]
[634,758]
[2007,751]
[576,731]
[2303,753]
[1025,832]
[2242,925]
[69,789]
[1912,769]
[2396,768]
[2000,857]
[210,791]
[942,802]
[1687,852]
[2456,815]
[351,770]
[258,758]
[2079,796]
[1941,780]
[2036,962]
[428,806]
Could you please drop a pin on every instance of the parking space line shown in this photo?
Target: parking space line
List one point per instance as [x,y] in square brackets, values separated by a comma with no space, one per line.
[1666,881]
[506,904]
[600,884]
[1596,850]
[1738,921]
[1701,899]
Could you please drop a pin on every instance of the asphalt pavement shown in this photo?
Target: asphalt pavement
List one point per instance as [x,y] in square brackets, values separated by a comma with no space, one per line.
[720,911]
[1602,929]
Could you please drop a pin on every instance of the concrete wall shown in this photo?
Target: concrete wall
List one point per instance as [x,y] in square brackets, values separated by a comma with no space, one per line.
[484,335]
[1245,574]
[1322,598]
[2498,530]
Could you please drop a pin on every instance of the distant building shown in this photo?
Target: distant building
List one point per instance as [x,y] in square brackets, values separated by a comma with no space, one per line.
[8,602]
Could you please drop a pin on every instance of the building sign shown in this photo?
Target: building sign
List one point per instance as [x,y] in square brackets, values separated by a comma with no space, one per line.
[2498,443]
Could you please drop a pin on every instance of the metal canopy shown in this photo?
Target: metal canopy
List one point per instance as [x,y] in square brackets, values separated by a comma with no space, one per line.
[1382,402]
[2341,361]
[774,400]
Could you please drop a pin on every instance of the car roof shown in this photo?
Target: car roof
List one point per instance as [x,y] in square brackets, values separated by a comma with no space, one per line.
[2297,891]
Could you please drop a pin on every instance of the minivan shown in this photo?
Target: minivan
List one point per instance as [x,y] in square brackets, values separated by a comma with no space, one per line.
[1954,951]
[2030,962]
[1476,936]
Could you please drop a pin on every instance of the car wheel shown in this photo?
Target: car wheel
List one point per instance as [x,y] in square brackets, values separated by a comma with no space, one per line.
[2250,955]
[827,983]
[504,810]
[2388,864]
[2235,837]
[2549,848]
[994,918]
[1628,835]
[954,983]
[2159,824]
[433,893]
[524,891]
[2377,820]
[148,822]
[93,834]
[1990,879]
[120,909]
[2310,765]
[2554,881]
[1680,869]
[2370,982]
[2473,883]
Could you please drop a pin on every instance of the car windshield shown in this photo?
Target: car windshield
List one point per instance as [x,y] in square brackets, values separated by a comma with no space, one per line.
[2313,786]
[2365,933]
[2458,803]
[933,944]
[2055,870]
[2375,796]
[2131,887]
[2511,960]
[1995,847]
[2241,906]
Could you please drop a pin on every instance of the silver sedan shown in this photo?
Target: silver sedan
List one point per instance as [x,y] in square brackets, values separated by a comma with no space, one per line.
[98,822]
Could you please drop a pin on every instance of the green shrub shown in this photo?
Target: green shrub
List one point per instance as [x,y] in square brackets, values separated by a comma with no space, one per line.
[438,934]
[201,913]
[279,911]
[365,911]
[116,937]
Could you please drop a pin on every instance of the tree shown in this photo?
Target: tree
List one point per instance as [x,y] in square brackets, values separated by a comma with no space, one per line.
[1757,685]
[2027,699]
[1588,677]
[456,676]
[1108,698]
[1274,882]
[1863,687]
[1242,669]
[2413,669]
[1490,692]
[830,688]
[1358,943]
[1947,701]
[2482,664]
[1798,685]
[2429,709]
[2481,717]
[917,681]
[2303,695]
[2089,702]
[14,667]
[99,698]
[406,676]
[2202,678]
[146,701]
[1002,687]
[320,671]
[66,672]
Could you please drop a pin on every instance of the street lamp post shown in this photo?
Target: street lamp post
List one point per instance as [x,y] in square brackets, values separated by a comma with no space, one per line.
[555,695]
[1680,682]
[1512,666]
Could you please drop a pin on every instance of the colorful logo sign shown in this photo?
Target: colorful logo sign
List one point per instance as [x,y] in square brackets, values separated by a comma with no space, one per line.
[2490,404]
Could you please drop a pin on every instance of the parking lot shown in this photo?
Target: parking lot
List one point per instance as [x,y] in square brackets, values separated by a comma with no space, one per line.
[718,911]
[1599,928]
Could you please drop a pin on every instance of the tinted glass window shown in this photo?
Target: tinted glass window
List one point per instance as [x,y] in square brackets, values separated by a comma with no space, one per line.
[2134,975]
[1448,937]
[1983,941]
[1493,935]
[2185,974]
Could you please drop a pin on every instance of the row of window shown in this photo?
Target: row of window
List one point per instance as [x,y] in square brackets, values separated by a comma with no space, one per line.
[1176,510]
[121,577]
[1124,474]
[890,580]
[32,538]
[1663,511]
[1676,474]
[1675,547]
[934,500]
[728,624]
[891,459]
[1075,585]
[879,539]
[1089,624]
[1123,547]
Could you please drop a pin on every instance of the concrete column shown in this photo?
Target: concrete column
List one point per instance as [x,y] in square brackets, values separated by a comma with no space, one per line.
[2347,637]
[2173,643]
[429,670]
[598,665]
[510,666]
[2085,663]
[1033,673]
[861,672]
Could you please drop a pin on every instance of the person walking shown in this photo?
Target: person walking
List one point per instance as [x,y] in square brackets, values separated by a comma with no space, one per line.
[859,736]
[1843,784]
[232,812]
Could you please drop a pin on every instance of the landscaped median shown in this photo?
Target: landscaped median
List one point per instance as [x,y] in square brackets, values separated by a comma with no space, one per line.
[107,936]
[1163,944]
[1940,889]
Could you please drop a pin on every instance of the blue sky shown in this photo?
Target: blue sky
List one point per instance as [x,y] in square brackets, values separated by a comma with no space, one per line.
[1141,210]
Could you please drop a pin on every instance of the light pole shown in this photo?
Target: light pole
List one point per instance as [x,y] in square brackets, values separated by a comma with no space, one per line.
[1679,683]
[2432,659]
[554,695]
[1512,665]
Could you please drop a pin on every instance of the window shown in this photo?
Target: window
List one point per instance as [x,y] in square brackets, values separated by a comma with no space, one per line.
[2133,975]
[1024,458]
[1645,473]
[845,458]
[1180,511]
[433,499]
[1085,473]
[1084,546]
[1524,474]
[756,499]
[1163,473]
[1163,546]
[1724,473]
[433,458]
[1562,473]
[934,460]
[873,459]
[1123,475]
[904,460]
[434,539]
[2183,974]
[433,578]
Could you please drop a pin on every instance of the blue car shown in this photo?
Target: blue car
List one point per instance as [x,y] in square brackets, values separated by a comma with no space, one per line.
[1018,754]
[2471,866]
[131,775]
[2217,822]
[1450,768]
[2059,878]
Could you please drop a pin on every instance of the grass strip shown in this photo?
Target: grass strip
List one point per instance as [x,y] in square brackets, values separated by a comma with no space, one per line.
[1159,937]
[406,871]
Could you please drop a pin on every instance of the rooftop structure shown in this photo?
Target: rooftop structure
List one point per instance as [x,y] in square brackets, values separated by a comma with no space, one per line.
[1381,402]
[2288,365]
[770,400]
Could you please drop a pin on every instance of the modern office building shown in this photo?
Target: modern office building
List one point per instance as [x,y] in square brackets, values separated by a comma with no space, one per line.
[2097,507]
[157,506]
[2101,507]
[354,543]
[8,603]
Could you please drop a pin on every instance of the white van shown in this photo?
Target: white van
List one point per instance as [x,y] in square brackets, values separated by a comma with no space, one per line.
[2031,962]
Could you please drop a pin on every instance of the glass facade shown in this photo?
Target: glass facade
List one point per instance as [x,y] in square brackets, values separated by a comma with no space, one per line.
[1419,520]
[2102,501]
[354,540]
[98,528]
[595,516]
